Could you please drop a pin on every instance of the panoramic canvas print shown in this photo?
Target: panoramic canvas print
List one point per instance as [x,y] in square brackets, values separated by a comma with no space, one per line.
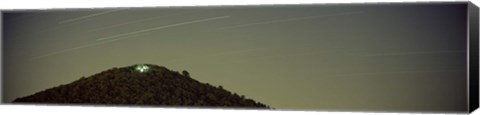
[366,57]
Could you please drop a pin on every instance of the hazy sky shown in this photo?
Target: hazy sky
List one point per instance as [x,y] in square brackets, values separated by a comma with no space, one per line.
[307,57]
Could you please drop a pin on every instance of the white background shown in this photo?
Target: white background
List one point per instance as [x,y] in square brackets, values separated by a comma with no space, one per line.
[77,110]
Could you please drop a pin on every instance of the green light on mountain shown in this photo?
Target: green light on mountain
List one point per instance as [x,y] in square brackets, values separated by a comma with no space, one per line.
[142,68]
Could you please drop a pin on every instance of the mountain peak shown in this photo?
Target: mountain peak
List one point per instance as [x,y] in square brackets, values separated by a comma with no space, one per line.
[141,84]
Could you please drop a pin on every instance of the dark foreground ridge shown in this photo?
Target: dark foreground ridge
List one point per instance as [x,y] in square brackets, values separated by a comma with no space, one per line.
[143,84]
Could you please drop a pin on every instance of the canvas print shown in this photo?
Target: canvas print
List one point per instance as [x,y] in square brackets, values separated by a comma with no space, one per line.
[408,57]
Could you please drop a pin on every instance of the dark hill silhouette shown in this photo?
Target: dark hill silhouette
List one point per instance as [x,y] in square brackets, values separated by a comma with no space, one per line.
[143,84]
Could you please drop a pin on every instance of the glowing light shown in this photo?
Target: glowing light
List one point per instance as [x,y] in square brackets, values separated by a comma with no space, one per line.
[142,68]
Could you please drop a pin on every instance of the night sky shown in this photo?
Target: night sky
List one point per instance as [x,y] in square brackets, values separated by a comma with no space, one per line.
[373,57]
